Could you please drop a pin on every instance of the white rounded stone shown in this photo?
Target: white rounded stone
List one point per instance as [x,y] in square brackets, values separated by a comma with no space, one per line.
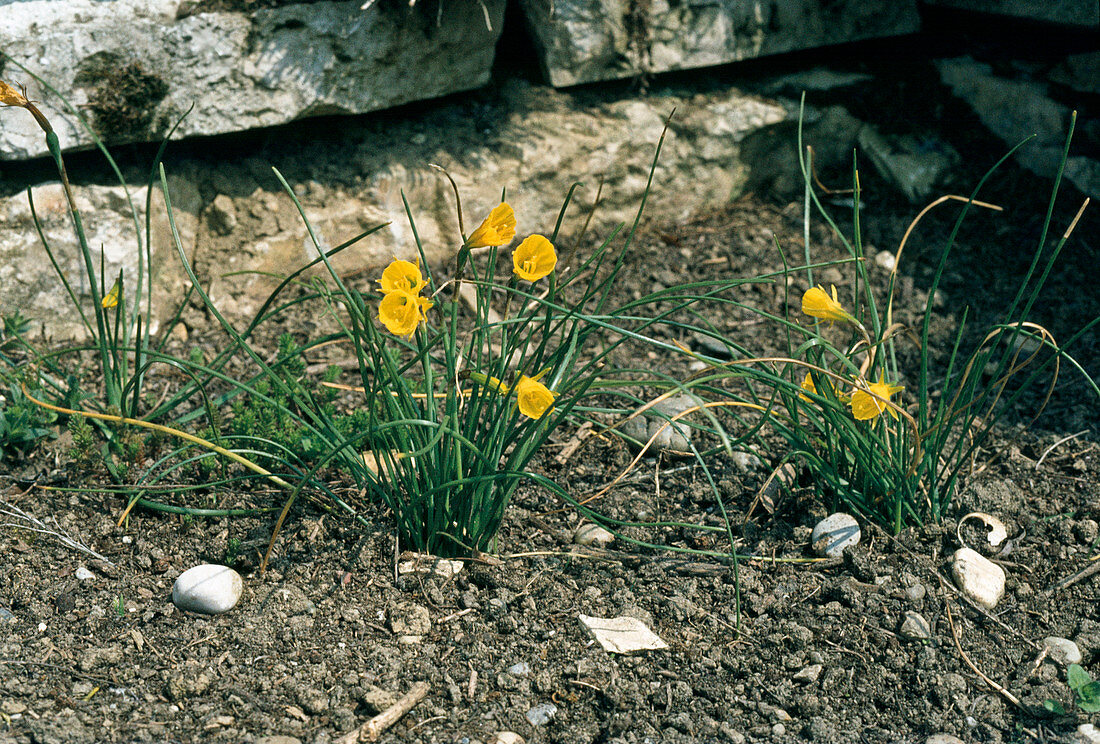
[834,533]
[978,578]
[84,574]
[943,739]
[208,589]
[592,534]
[886,260]
[1062,650]
[1087,733]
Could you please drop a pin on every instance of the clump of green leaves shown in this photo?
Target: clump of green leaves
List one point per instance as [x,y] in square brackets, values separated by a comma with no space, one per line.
[1086,691]
[22,424]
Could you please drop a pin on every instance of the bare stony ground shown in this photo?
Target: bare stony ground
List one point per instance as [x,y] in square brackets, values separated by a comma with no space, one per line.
[93,650]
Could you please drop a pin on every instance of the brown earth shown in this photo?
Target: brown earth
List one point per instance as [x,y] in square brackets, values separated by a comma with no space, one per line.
[315,646]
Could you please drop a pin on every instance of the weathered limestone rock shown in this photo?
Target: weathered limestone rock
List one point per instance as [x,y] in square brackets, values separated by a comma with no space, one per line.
[135,66]
[539,144]
[1067,12]
[586,40]
[1016,109]
[29,284]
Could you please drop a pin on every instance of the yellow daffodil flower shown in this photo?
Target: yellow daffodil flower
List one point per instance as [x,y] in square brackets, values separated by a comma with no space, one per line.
[403,276]
[9,96]
[533,397]
[498,228]
[817,303]
[809,387]
[401,312]
[866,407]
[111,298]
[534,258]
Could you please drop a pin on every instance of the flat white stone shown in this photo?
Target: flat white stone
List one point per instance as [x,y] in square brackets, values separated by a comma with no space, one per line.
[622,635]
[207,588]
[423,563]
[834,533]
[506,737]
[1087,733]
[84,574]
[943,739]
[1062,650]
[592,534]
[978,578]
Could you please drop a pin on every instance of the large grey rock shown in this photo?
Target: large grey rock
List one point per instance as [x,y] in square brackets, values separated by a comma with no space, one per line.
[135,66]
[1067,12]
[541,142]
[1016,109]
[582,41]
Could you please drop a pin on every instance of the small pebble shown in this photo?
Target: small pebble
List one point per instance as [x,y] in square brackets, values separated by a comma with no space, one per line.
[916,592]
[943,739]
[1062,650]
[808,674]
[505,737]
[834,533]
[592,534]
[541,714]
[886,260]
[207,588]
[522,669]
[6,615]
[670,437]
[84,574]
[978,578]
[1087,734]
[915,627]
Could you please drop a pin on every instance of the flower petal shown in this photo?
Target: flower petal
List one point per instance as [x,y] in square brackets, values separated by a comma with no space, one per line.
[534,258]
[498,228]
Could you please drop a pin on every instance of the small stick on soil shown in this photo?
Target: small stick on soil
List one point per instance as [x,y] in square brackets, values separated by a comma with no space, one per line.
[1086,572]
[373,728]
[955,635]
[1054,446]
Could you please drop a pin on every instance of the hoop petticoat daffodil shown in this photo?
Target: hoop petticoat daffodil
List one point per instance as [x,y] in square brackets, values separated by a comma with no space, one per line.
[9,96]
[111,298]
[809,386]
[867,407]
[403,276]
[534,258]
[401,312]
[533,398]
[498,229]
[817,303]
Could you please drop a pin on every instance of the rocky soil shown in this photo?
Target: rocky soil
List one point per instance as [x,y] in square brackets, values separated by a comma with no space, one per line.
[876,646]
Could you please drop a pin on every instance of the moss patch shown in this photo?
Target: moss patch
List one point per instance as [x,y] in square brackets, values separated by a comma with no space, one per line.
[124,96]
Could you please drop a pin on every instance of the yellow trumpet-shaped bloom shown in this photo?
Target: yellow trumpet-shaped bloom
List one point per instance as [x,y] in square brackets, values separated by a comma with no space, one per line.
[866,407]
[808,386]
[111,298]
[534,258]
[498,228]
[817,303]
[401,312]
[403,276]
[9,96]
[533,398]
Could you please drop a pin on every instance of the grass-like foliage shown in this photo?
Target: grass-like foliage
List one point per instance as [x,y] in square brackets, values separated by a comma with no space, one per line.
[463,375]
[895,443]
